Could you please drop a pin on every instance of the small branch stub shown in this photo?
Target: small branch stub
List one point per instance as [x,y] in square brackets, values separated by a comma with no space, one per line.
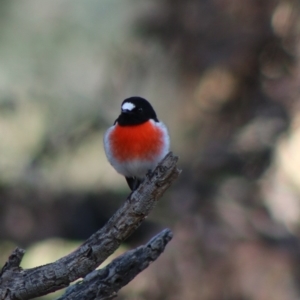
[13,262]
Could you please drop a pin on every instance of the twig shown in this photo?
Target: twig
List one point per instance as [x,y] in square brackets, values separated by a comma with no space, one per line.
[16,284]
[105,283]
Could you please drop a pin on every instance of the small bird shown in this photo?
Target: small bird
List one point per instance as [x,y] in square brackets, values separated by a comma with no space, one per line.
[137,141]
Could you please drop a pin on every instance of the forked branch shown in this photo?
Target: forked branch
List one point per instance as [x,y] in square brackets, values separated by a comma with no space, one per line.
[16,283]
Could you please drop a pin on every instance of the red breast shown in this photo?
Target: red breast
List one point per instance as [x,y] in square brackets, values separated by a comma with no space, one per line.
[143,141]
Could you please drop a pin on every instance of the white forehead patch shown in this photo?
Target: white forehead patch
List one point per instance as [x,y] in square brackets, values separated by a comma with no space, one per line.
[128,106]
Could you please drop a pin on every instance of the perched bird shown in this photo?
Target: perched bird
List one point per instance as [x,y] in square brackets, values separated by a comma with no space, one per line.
[137,141]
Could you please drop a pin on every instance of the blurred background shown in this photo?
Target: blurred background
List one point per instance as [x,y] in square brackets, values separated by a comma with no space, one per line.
[224,75]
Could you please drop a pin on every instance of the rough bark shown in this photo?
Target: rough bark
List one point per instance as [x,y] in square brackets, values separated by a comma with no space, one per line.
[104,284]
[16,283]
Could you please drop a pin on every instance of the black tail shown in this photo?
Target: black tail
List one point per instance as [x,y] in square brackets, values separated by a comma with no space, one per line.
[133,183]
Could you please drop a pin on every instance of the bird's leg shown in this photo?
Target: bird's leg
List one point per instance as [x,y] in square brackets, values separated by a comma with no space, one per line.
[149,173]
[137,183]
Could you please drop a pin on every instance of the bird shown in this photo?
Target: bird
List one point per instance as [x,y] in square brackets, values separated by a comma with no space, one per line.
[137,141]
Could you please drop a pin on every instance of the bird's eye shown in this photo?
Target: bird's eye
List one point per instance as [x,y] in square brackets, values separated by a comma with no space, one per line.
[140,110]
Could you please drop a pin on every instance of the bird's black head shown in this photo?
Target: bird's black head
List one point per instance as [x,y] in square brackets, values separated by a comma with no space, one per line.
[134,111]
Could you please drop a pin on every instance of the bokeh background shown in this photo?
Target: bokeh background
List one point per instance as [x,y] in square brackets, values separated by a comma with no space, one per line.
[224,75]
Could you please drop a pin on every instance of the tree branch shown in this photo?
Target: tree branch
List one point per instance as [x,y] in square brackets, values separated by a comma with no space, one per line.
[16,283]
[103,284]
